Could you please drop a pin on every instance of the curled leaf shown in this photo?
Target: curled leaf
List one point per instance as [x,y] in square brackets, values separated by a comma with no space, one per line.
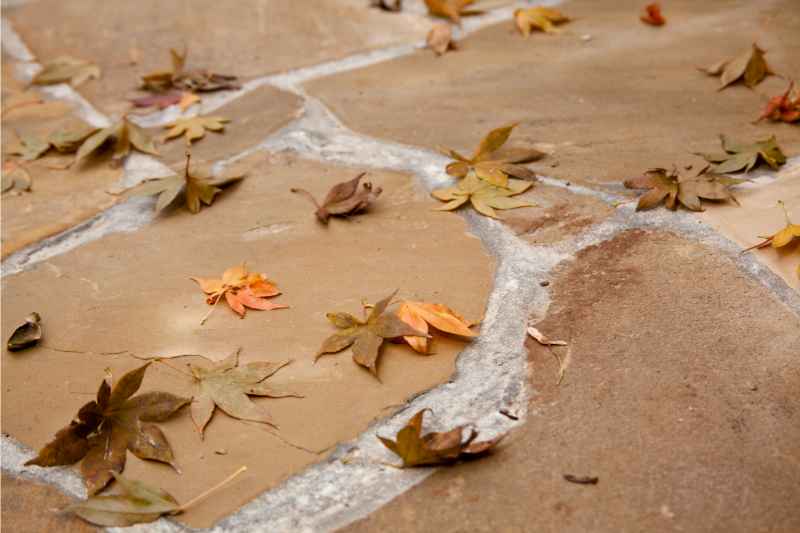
[783,108]
[652,15]
[673,189]
[538,18]
[343,199]
[28,334]
[749,66]
[542,339]
[419,315]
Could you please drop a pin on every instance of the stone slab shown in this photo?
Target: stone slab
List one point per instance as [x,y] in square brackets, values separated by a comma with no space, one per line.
[29,507]
[627,99]
[130,294]
[680,394]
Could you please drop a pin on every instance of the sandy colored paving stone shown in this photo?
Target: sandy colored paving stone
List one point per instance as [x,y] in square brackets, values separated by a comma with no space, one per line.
[627,99]
[59,198]
[680,395]
[252,117]
[31,507]
[759,214]
[250,39]
[131,293]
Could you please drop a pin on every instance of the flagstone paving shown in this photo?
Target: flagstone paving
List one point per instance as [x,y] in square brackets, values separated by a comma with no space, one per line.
[680,380]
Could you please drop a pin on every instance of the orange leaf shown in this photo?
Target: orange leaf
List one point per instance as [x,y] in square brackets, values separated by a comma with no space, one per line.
[241,290]
[652,15]
[439,316]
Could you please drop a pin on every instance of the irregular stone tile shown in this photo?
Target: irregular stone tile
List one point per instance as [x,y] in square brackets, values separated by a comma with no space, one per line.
[680,395]
[628,99]
[130,293]
[758,214]
[252,39]
[252,118]
[29,506]
[59,198]
[559,214]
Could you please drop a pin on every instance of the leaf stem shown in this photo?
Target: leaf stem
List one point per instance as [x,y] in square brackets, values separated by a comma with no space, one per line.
[214,305]
[175,368]
[785,212]
[208,492]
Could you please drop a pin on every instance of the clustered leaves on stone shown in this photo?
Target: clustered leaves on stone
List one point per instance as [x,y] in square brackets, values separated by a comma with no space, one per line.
[652,15]
[673,188]
[187,80]
[343,199]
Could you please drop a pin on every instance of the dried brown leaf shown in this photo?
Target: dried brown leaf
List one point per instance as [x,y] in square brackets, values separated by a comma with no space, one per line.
[344,199]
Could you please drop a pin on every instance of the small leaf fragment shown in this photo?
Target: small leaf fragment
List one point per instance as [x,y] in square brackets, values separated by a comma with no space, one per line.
[440,39]
[652,15]
[542,339]
[451,9]
[781,238]
[28,334]
[540,18]
[783,108]
[392,6]
[66,69]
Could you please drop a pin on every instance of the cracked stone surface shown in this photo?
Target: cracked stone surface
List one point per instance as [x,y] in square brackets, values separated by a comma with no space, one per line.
[42,505]
[591,99]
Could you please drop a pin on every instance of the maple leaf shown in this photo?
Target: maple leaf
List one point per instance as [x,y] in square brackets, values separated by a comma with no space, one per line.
[783,237]
[108,426]
[16,178]
[540,18]
[392,6]
[343,199]
[228,386]
[28,334]
[440,39]
[241,289]
[65,140]
[194,128]
[783,108]
[419,315]
[436,448]
[122,136]
[198,187]
[66,69]
[674,189]
[483,197]
[188,80]
[366,336]
[490,166]
[451,9]
[652,15]
[743,157]
[750,67]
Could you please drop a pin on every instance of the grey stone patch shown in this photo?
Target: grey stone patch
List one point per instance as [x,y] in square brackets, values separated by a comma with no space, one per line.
[14,457]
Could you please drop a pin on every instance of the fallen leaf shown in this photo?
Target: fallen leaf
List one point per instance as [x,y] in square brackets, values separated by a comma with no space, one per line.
[483,197]
[343,199]
[228,386]
[750,67]
[542,339]
[121,137]
[783,237]
[194,128]
[783,108]
[674,189]
[106,427]
[16,178]
[539,18]
[159,100]
[452,9]
[241,289]
[66,69]
[138,503]
[366,336]
[28,334]
[440,39]
[198,187]
[652,15]
[419,315]
[436,448]
[31,147]
[187,80]
[581,480]
[743,157]
[187,100]
[490,166]
[392,6]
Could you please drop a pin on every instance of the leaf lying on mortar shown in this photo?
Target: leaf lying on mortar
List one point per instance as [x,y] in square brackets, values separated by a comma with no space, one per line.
[539,18]
[672,188]
[227,385]
[194,128]
[490,166]
[419,315]
[106,427]
[241,289]
[783,108]
[138,503]
[16,178]
[483,197]
[366,336]
[64,140]
[743,157]
[436,448]
[66,69]
[783,237]
[344,198]
[452,9]
[28,334]
[652,15]
[187,80]
[392,6]
[122,137]
[199,187]
[750,67]
[440,39]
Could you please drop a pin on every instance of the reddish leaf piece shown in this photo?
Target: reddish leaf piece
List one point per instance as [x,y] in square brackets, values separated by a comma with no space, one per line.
[783,108]
[652,15]
[187,80]
[344,198]
[160,101]
[434,448]
[107,427]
